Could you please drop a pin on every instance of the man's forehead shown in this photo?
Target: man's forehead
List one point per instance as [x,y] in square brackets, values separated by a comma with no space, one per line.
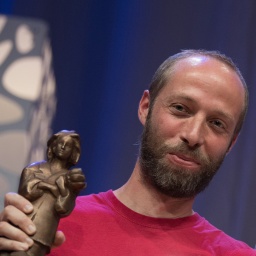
[204,65]
[196,60]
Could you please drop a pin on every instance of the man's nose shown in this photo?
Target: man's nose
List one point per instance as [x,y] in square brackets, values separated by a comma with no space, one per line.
[193,133]
[63,145]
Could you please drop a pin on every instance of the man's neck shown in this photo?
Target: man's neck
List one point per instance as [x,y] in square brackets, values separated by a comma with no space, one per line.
[144,199]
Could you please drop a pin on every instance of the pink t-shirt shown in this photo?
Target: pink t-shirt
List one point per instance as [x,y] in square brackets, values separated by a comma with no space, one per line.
[101,225]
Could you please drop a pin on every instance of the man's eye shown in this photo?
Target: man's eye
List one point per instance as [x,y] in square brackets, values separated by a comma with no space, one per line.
[179,107]
[179,110]
[218,124]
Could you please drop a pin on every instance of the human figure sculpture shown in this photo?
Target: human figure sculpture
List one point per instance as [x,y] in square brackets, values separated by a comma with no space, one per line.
[52,188]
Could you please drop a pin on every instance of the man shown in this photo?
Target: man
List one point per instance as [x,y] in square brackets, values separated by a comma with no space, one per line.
[192,115]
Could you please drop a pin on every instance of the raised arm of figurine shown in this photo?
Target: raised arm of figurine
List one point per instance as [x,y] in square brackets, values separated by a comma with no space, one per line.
[16,226]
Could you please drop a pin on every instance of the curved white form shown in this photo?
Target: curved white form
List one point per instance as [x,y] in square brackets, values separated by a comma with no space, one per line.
[11,111]
[5,48]
[23,78]
[24,39]
[3,21]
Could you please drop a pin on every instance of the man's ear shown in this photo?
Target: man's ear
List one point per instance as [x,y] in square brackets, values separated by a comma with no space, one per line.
[233,142]
[144,107]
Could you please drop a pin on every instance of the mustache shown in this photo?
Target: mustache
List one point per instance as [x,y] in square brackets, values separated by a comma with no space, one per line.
[183,149]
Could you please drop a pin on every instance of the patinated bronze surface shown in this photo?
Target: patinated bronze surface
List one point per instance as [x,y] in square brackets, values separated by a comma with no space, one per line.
[52,188]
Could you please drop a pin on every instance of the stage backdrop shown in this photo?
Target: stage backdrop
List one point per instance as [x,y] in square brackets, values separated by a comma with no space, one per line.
[105,53]
[27,97]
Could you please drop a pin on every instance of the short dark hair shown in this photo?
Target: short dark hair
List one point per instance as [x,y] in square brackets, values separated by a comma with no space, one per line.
[165,70]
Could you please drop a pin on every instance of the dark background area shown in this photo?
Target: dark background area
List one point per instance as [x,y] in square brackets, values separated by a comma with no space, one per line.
[104,55]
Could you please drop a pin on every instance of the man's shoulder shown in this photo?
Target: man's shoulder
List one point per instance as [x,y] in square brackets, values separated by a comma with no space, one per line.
[223,241]
[93,202]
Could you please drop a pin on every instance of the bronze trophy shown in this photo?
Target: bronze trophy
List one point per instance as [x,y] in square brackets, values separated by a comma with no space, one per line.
[52,188]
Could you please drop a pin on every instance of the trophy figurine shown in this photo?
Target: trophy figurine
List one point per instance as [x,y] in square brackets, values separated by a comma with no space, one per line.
[52,187]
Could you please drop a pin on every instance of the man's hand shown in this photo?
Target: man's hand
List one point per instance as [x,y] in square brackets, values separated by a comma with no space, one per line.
[16,226]
[59,239]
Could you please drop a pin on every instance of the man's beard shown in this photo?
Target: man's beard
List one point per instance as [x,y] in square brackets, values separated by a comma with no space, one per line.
[170,179]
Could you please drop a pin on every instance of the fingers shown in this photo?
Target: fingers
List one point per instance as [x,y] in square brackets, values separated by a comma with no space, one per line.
[59,239]
[15,225]
[15,212]
[12,238]
[19,219]
[19,202]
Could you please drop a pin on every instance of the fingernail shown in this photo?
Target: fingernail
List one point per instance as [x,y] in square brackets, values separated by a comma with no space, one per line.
[29,241]
[31,229]
[23,247]
[28,208]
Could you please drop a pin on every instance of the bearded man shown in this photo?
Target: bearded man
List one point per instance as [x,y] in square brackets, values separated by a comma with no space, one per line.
[192,115]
